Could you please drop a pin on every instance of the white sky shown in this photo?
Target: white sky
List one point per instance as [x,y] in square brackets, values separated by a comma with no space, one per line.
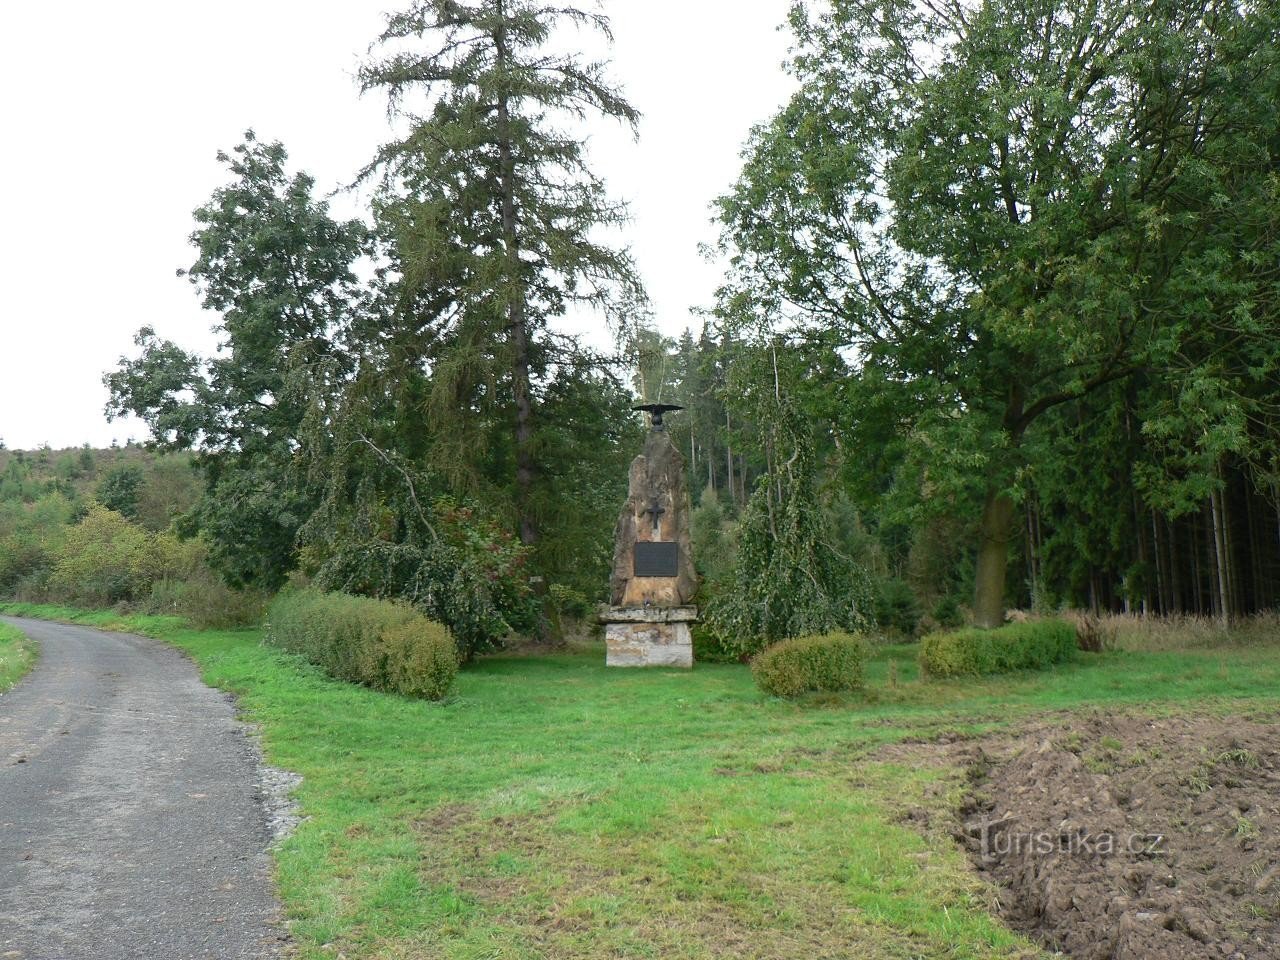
[111,115]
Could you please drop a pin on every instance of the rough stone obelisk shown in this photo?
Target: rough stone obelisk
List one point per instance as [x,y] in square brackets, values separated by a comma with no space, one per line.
[647,622]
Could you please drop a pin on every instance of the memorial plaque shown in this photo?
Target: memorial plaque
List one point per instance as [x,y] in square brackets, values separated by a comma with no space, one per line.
[657,559]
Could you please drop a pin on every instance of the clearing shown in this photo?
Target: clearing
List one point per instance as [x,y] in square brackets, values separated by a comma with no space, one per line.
[555,808]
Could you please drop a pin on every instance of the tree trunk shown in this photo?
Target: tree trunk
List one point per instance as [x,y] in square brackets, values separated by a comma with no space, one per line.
[1229,549]
[1162,578]
[1178,602]
[1032,580]
[1197,593]
[1219,559]
[993,558]
[515,307]
[1257,584]
[1143,564]
[548,627]
[728,457]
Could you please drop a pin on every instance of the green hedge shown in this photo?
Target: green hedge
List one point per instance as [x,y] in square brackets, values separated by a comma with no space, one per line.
[828,662]
[1015,646]
[378,643]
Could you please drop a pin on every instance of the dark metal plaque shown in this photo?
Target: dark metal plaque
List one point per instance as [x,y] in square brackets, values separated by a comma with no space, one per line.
[657,559]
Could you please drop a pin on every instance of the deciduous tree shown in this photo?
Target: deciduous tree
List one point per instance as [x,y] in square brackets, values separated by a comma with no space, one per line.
[276,268]
[996,209]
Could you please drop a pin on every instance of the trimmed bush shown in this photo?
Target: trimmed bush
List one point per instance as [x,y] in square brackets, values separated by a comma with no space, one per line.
[1032,645]
[823,663]
[378,643]
[419,658]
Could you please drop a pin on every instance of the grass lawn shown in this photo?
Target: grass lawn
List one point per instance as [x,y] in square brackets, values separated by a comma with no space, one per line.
[557,809]
[17,656]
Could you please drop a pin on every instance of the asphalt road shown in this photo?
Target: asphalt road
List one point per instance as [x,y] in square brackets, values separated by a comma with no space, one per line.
[131,824]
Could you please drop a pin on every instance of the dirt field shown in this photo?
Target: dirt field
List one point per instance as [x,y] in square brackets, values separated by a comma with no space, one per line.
[1127,837]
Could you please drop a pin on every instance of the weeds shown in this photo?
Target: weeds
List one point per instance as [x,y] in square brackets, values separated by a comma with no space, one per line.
[1246,829]
[1185,632]
[17,656]
[1239,757]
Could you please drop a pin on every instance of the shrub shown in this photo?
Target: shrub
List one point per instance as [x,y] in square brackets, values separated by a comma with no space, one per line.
[21,556]
[948,613]
[119,489]
[382,644]
[105,560]
[469,574]
[828,663]
[708,647]
[787,579]
[207,602]
[418,658]
[1030,645]
[714,537]
[897,607]
[569,602]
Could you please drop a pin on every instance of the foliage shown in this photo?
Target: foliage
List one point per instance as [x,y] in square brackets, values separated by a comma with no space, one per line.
[100,555]
[105,559]
[1031,645]
[378,643]
[825,663]
[787,580]
[569,602]
[713,538]
[207,603]
[119,490]
[30,535]
[896,607]
[249,517]
[990,238]
[492,214]
[588,437]
[278,271]
[708,645]
[171,489]
[947,612]
[375,533]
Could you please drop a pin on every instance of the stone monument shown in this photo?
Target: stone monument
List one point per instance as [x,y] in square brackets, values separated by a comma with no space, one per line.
[647,622]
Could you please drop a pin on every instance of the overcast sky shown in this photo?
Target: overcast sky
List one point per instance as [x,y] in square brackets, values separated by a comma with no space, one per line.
[111,115]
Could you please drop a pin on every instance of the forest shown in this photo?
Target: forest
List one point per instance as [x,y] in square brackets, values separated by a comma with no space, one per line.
[998,330]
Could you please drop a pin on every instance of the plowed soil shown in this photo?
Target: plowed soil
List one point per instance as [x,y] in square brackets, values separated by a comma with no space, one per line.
[1131,838]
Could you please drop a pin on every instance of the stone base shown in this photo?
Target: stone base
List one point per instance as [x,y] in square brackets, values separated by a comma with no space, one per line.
[648,636]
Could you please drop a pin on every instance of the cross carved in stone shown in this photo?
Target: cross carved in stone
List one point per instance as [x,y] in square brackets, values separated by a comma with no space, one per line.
[656,510]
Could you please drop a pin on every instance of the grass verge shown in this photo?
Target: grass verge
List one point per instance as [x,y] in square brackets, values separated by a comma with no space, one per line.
[17,656]
[554,808]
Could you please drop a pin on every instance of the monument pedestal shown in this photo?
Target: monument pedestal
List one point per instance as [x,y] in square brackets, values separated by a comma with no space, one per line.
[648,636]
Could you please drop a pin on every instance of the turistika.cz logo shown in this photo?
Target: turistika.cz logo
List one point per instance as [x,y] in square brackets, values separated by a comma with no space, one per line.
[999,842]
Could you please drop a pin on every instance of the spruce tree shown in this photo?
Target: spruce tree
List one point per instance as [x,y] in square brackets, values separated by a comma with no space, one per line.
[489,204]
